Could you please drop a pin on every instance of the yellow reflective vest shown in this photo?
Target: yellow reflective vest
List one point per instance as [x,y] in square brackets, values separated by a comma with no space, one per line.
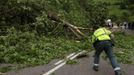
[101,34]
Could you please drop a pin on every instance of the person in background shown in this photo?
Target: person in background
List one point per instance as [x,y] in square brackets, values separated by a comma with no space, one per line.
[101,40]
[109,23]
[125,24]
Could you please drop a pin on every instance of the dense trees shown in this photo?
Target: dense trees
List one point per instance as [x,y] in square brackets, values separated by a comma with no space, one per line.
[18,12]
[34,12]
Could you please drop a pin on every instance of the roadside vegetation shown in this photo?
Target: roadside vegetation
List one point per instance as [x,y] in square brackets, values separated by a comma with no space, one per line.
[124,48]
[28,48]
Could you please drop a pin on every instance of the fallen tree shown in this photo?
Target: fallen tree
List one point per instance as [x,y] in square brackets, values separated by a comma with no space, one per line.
[73,28]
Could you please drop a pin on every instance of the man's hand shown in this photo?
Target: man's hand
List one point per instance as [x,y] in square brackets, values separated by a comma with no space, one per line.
[112,36]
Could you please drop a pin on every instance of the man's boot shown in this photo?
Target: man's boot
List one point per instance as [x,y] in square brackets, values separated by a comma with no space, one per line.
[95,68]
[118,72]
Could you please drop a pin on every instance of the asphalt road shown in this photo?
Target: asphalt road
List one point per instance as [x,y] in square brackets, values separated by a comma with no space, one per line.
[83,67]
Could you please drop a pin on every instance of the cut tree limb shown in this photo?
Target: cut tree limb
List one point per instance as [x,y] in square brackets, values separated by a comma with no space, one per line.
[75,33]
[73,28]
[55,29]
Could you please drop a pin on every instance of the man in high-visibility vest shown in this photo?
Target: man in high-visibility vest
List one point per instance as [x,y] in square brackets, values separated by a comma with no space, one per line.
[101,40]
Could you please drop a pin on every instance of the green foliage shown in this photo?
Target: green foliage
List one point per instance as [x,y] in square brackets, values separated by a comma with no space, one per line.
[72,62]
[5,69]
[122,41]
[131,1]
[97,12]
[19,12]
[111,2]
[43,25]
[32,14]
[33,46]
[123,10]
[29,48]
[124,46]
[124,4]
[125,56]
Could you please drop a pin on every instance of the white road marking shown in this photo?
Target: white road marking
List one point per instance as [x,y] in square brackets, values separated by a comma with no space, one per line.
[62,64]
[60,61]
[77,54]
[54,69]
[70,55]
